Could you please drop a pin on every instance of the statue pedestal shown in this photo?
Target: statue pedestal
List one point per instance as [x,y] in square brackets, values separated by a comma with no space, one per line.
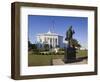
[70,55]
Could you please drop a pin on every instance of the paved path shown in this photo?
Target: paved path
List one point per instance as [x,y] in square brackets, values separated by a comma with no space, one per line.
[61,62]
[80,62]
[58,62]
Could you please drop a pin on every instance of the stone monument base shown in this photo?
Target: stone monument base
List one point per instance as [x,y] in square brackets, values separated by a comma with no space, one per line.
[70,54]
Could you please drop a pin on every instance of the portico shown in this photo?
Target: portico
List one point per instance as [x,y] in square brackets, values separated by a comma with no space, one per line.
[52,39]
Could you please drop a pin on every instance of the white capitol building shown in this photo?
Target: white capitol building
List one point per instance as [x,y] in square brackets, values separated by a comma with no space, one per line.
[50,38]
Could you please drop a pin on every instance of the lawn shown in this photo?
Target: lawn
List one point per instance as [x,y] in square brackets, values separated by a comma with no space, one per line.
[82,53]
[44,60]
[37,60]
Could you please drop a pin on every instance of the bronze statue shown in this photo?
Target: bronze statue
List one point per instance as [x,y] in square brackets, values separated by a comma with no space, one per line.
[69,34]
[70,51]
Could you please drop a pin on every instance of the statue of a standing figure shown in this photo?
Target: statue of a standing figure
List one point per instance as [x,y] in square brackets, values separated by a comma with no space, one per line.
[69,35]
[70,51]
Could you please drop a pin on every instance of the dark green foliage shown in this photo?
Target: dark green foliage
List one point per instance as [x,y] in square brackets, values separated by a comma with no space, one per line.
[75,43]
[61,49]
[32,46]
[46,47]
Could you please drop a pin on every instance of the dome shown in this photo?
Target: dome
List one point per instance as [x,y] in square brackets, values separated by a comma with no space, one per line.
[49,32]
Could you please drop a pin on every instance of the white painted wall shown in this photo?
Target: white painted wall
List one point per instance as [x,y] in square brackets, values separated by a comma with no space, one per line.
[5,38]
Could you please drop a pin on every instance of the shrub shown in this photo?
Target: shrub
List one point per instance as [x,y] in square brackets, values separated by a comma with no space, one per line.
[46,53]
[49,53]
[61,49]
[52,53]
[42,53]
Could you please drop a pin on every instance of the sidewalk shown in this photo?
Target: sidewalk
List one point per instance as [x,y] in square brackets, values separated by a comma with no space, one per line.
[61,62]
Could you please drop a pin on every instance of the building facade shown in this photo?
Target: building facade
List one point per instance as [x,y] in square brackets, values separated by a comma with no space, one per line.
[52,39]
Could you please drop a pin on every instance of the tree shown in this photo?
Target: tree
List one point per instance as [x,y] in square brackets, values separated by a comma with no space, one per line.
[75,43]
[34,46]
[29,45]
[46,47]
[79,46]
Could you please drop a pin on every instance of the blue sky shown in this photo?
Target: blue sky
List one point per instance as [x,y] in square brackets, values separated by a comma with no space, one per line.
[59,24]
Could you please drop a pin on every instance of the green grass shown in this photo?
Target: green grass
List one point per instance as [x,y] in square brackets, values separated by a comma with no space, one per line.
[37,60]
[82,53]
[44,60]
